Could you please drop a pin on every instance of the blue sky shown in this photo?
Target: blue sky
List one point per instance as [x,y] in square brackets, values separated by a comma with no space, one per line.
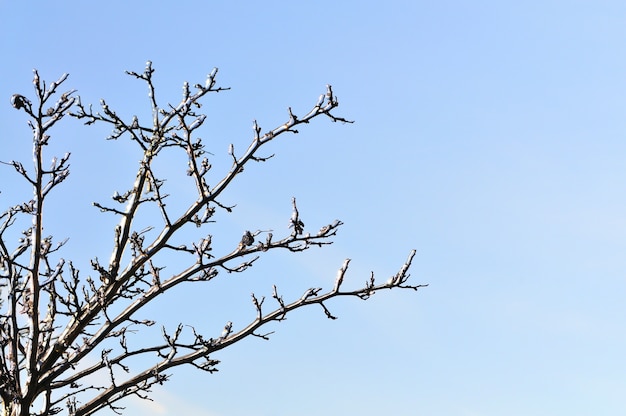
[489,136]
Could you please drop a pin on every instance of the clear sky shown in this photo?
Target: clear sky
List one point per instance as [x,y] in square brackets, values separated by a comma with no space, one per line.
[489,136]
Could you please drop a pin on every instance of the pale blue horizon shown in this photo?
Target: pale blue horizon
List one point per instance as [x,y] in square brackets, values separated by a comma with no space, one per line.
[488,136]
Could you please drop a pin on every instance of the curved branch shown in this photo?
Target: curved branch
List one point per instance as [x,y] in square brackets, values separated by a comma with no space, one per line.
[203,349]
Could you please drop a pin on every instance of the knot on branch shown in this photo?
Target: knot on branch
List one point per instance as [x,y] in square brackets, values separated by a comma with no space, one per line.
[295,222]
[19,101]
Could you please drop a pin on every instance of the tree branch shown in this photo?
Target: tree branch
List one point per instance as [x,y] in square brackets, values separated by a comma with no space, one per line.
[53,321]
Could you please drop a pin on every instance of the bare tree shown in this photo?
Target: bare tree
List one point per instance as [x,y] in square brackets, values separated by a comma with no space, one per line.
[61,335]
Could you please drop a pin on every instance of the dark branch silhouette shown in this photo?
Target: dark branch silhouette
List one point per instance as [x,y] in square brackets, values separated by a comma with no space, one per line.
[61,334]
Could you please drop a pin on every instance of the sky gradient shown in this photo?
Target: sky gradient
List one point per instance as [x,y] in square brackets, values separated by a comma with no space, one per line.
[488,135]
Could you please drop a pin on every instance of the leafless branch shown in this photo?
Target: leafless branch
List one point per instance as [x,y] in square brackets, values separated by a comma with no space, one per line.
[62,334]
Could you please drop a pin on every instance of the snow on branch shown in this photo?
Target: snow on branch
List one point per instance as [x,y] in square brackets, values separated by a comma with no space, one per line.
[70,341]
